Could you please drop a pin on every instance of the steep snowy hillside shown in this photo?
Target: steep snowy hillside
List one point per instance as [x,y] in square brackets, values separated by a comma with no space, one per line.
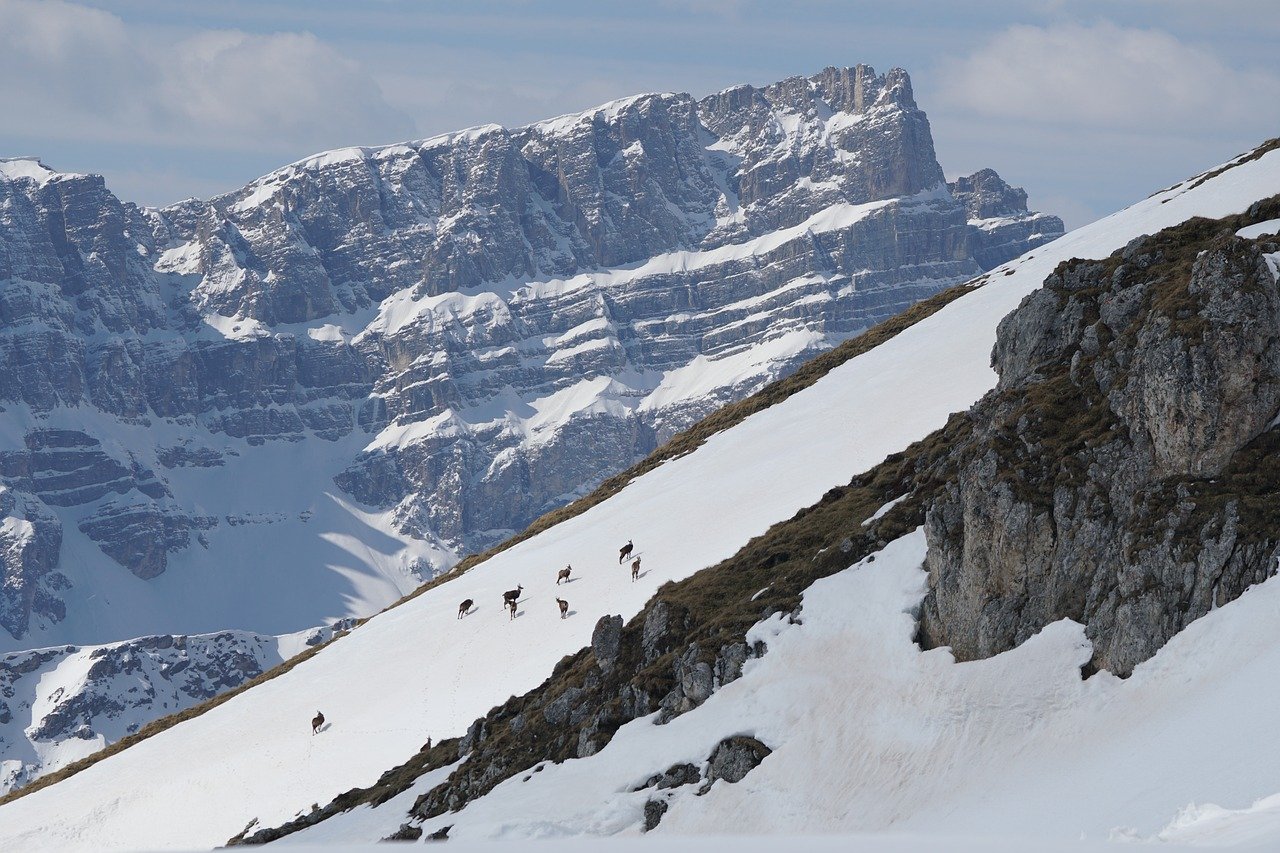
[867,734]
[292,403]
[419,671]
[63,703]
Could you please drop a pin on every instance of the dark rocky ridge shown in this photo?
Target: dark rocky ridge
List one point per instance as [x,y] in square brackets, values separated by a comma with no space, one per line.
[1123,472]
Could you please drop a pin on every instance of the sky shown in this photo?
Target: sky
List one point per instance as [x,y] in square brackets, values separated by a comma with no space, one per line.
[1089,105]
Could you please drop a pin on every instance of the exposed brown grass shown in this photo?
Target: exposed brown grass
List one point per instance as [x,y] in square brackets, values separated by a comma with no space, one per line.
[1265,148]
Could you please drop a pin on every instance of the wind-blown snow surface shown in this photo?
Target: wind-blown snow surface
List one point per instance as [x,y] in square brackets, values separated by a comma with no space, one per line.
[809,843]
[416,671]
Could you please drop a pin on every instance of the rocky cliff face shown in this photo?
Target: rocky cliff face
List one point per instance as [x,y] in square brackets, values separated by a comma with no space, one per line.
[456,334]
[999,222]
[1121,474]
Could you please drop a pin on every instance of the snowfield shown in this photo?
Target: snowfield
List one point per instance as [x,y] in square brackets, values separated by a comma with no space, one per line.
[876,735]
[869,733]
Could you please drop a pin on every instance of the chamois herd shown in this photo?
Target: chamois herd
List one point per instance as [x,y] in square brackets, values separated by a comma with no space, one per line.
[511,598]
[510,601]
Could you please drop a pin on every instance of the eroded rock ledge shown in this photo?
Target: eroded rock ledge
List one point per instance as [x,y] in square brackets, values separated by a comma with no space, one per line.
[1123,471]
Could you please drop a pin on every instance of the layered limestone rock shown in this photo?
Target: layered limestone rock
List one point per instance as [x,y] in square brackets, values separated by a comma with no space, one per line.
[1000,226]
[467,331]
[1121,473]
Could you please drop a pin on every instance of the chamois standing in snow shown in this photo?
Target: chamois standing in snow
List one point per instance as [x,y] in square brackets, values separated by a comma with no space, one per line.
[512,595]
[317,722]
[464,608]
[564,574]
[635,568]
[512,605]
[564,607]
[625,551]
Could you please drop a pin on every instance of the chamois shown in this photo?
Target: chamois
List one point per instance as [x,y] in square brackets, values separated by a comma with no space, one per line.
[512,595]
[464,608]
[317,722]
[625,551]
[564,574]
[512,605]
[564,607]
[635,568]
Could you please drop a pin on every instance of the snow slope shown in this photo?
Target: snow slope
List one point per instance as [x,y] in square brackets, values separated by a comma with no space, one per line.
[871,734]
[416,671]
[60,704]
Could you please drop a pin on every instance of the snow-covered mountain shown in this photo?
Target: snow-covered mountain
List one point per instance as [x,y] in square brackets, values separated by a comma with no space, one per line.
[292,403]
[757,677]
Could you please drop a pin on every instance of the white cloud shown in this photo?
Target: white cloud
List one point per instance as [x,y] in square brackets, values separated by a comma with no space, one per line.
[73,72]
[1108,76]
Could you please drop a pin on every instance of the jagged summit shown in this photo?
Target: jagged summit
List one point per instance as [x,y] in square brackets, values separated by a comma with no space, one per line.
[851,89]
[995,208]
[986,196]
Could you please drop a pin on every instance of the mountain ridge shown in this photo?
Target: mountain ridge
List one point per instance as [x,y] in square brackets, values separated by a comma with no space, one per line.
[209,330]
[677,537]
[293,403]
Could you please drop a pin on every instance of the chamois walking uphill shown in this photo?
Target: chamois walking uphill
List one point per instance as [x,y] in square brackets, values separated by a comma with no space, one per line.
[316,722]
[624,552]
[512,595]
[564,575]
[635,568]
[512,605]
[564,607]
[465,607]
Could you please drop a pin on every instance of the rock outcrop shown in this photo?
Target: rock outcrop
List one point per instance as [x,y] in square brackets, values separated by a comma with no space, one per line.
[1121,473]
[30,539]
[1000,226]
